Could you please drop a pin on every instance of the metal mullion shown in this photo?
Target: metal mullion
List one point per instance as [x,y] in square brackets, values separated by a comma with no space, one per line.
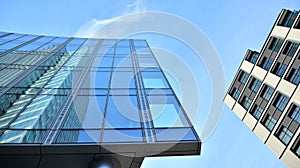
[107,95]
[144,105]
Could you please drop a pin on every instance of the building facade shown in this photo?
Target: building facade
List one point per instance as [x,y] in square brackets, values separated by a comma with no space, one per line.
[265,92]
[83,102]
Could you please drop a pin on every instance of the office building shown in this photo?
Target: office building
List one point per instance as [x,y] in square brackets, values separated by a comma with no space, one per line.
[265,92]
[86,102]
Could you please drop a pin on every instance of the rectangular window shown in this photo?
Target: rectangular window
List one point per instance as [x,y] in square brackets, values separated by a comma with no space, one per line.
[279,69]
[267,92]
[290,48]
[293,49]
[246,102]
[294,76]
[243,77]
[255,84]
[235,93]
[281,101]
[285,135]
[154,80]
[256,112]
[295,113]
[122,112]
[297,150]
[166,112]
[276,44]
[273,43]
[254,57]
[266,63]
[289,18]
[270,122]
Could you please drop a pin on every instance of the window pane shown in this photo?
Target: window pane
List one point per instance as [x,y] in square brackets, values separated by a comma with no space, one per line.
[22,136]
[154,80]
[122,79]
[78,136]
[122,112]
[166,112]
[175,134]
[122,135]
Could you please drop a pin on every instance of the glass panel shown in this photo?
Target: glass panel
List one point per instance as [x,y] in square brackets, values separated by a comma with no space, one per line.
[141,43]
[122,79]
[123,42]
[102,79]
[122,92]
[122,62]
[123,51]
[154,80]
[105,61]
[143,50]
[122,112]
[166,112]
[36,44]
[175,134]
[22,136]
[86,112]
[147,62]
[122,135]
[10,37]
[78,136]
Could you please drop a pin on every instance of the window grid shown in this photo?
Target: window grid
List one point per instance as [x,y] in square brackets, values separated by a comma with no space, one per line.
[285,135]
[295,113]
[255,85]
[236,93]
[254,58]
[267,93]
[292,49]
[243,78]
[257,112]
[270,122]
[281,102]
[280,69]
[266,63]
[246,102]
[294,76]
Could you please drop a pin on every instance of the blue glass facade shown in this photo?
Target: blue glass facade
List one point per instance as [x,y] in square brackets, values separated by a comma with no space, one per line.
[57,90]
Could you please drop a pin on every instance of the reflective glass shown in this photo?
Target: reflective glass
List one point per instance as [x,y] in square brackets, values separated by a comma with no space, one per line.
[141,43]
[175,134]
[166,112]
[123,62]
[147,62]
[122,112]
[22,136]
[122,135]
[122,79]
[102,79]
[154,80]
[10,37]
[78,136]
[88,112]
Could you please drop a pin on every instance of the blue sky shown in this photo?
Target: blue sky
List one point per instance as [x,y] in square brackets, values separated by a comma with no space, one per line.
[232,26]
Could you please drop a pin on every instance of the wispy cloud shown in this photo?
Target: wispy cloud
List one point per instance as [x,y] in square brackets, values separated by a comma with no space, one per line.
[91,27]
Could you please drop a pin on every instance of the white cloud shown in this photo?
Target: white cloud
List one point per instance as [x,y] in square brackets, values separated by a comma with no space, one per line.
[91,27]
